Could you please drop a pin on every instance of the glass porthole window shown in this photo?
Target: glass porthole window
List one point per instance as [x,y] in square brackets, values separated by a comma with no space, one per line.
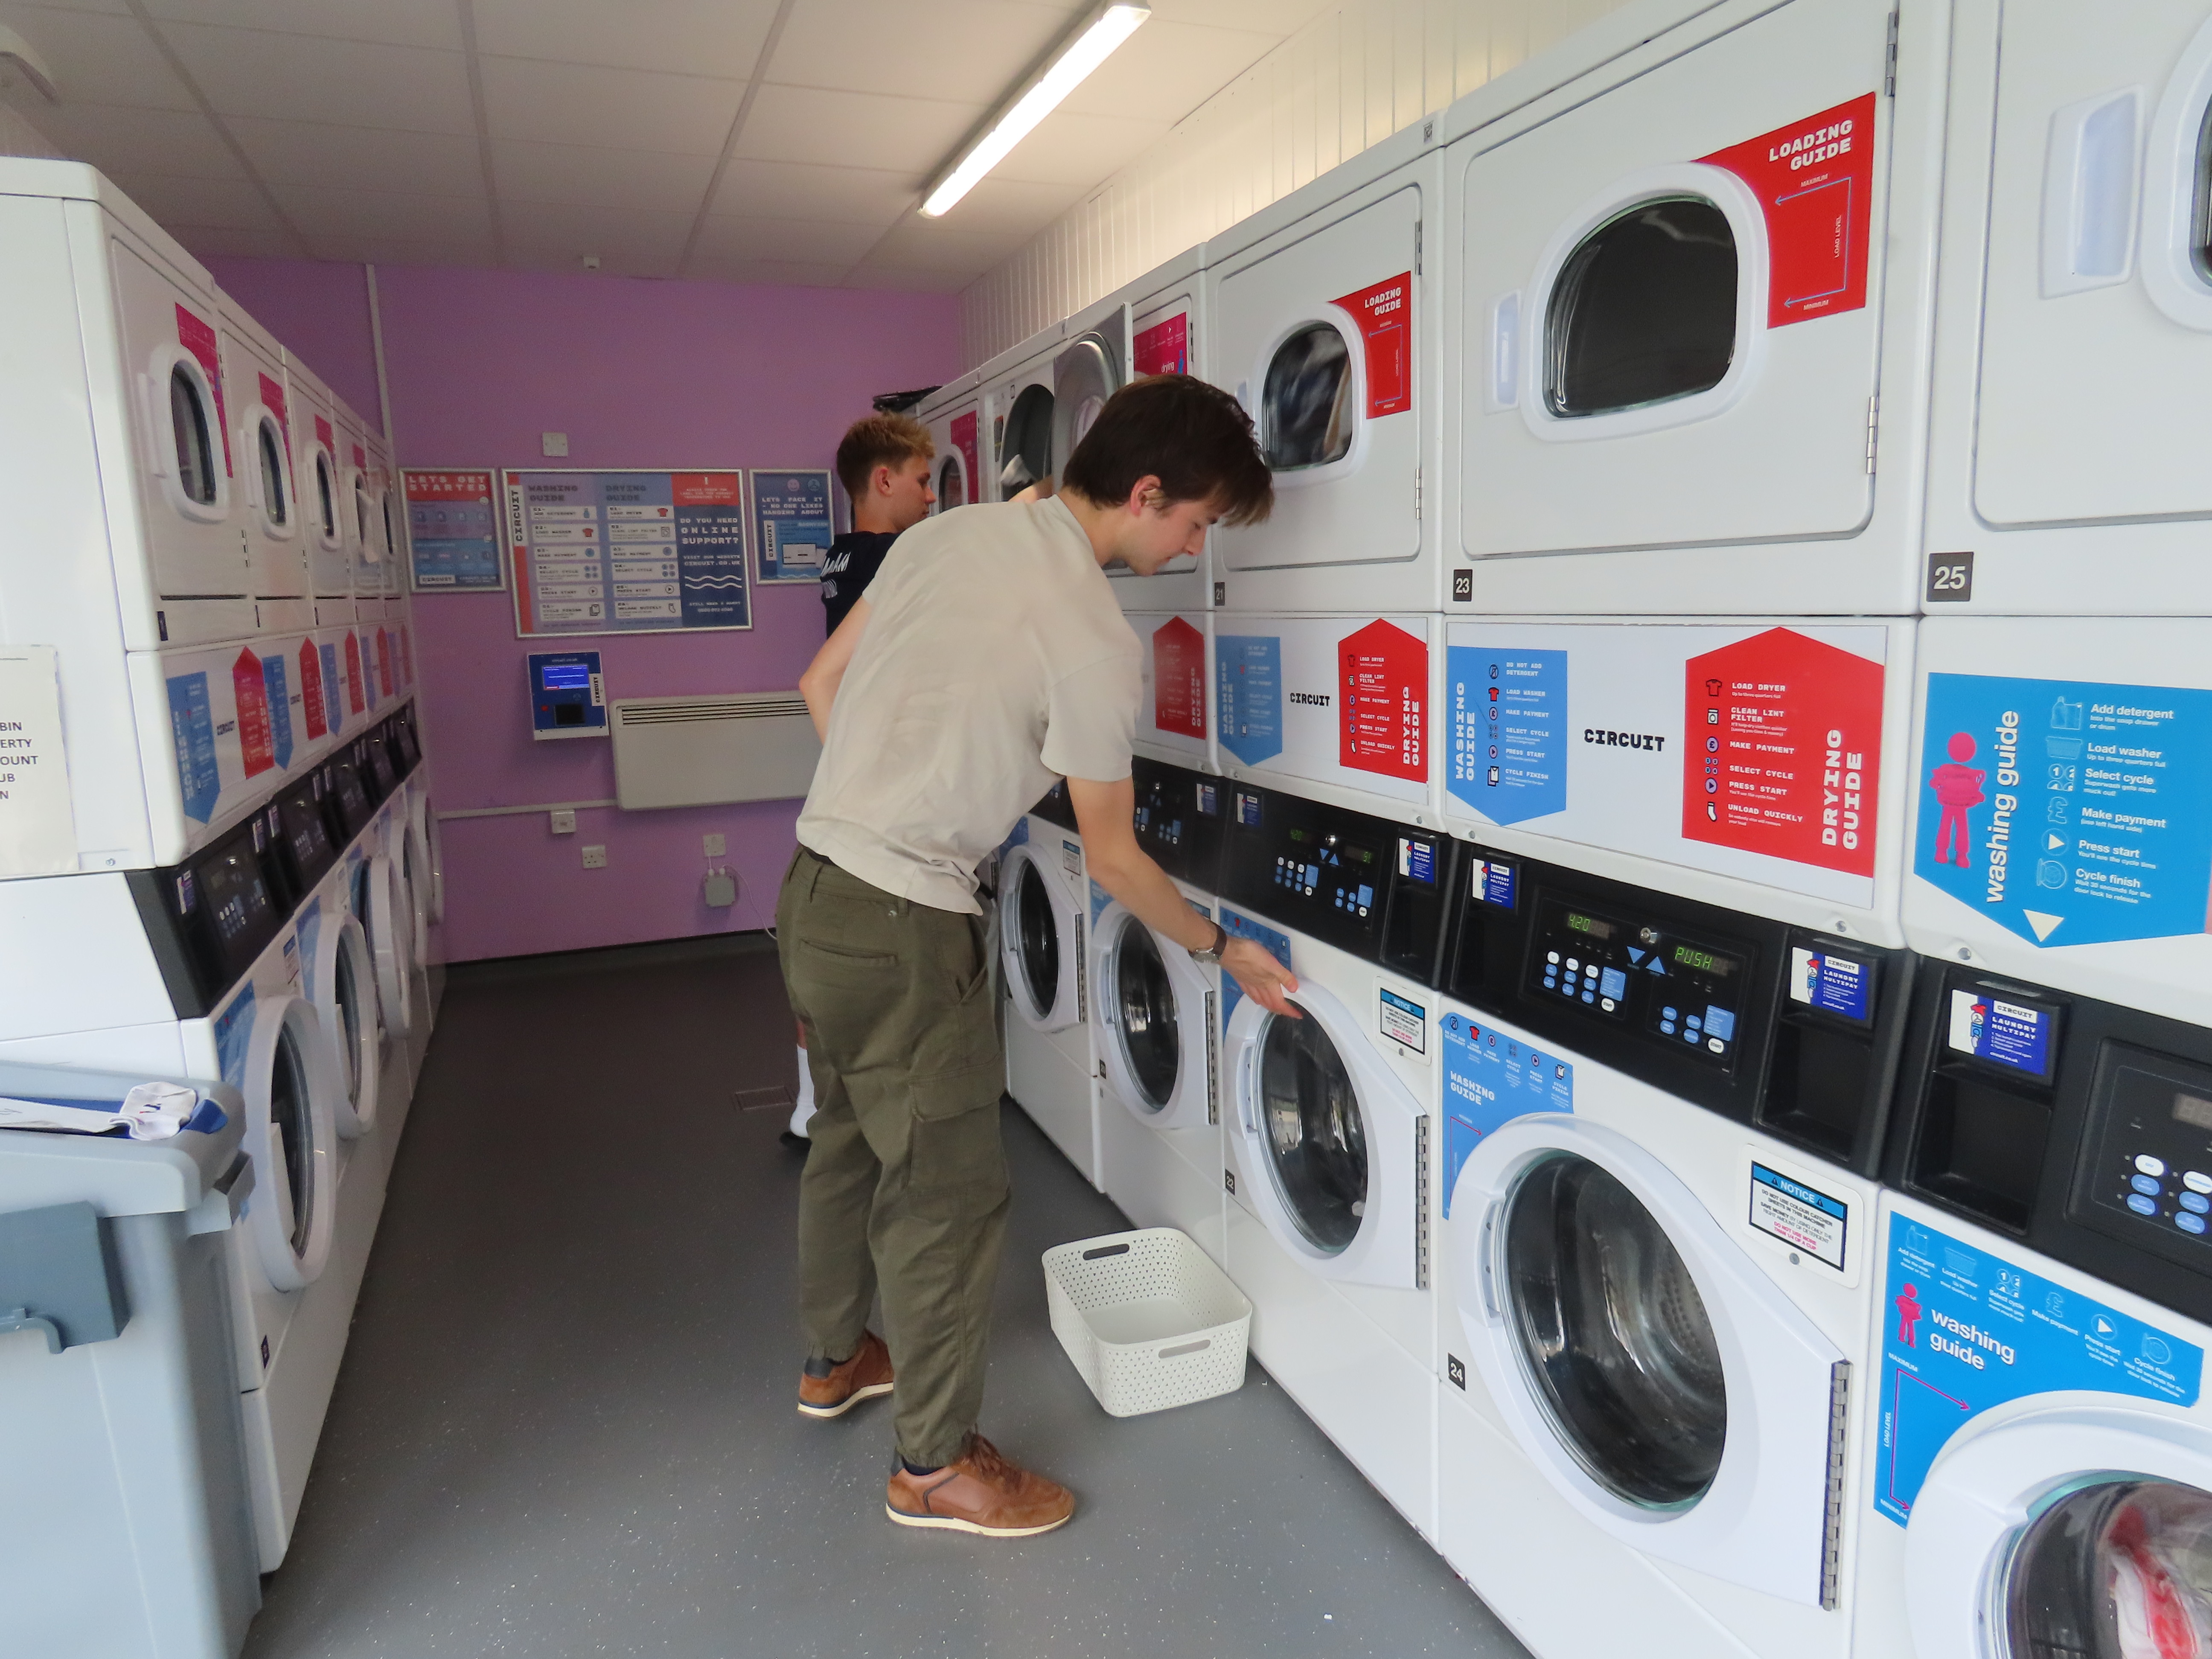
[2116,1568]
[1040,938]
[1028,451]
[391,541]
[1306,411]
[2200,218]
[952,484]
[350,994]
[275,507]
[1143,1003]
[1643,310]
[325,497]
[1315,1138]
[290,1112]
[188,418]
[361,518]
[1614,1335]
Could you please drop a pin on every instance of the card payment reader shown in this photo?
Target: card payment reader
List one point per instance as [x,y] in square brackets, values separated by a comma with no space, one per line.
[567,696]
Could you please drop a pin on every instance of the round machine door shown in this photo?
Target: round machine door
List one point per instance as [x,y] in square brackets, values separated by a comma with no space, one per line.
[1309,398]
[1154,1011]
[391,937]
[187,438]
[1329,1141]
[344,996]
[414,869]
[1026,452]
[1040,941]
[269,459]
[289,1134]
[1654,1374]
[1083,378]
[2077,1530]
[952,484]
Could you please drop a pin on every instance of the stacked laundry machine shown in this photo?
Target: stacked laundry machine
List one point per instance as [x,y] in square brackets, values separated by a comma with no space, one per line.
[230,875]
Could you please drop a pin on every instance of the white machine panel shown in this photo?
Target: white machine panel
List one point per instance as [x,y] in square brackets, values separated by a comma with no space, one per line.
[265,479]
[1165,320]
[322,491]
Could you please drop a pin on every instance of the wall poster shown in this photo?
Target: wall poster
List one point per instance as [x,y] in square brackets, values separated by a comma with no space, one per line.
[452,529]
[627,551]
[792,523]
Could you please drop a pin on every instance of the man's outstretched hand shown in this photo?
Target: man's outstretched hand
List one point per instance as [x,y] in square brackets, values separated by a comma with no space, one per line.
[1260,977]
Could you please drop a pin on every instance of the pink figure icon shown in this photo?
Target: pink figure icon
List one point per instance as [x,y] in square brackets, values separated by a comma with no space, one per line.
[1958,788]
[1908,1316]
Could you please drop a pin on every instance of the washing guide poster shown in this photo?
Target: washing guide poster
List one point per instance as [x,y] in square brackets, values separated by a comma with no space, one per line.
[1744,749]
[627,552]
[792,523]
[1326,701]
[1491,1077]
[452,529]
[2067,812]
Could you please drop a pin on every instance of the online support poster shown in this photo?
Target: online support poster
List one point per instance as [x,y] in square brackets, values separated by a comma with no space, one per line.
[627,552]
[452,529]
[792,523]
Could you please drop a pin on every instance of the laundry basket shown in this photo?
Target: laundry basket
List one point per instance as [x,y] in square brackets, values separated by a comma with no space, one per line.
[1149,1321]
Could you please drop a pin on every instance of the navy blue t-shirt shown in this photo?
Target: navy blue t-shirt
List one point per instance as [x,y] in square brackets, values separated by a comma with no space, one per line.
[854,558]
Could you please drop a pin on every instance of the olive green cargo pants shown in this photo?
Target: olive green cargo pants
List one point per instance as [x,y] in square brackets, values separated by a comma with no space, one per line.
[905,1187]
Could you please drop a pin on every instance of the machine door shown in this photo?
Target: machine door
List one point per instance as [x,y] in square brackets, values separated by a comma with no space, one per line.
[1025,445]
[341,987]
[1654,1373]
[391,929]
[275,557]
[1041,939]
[1155,1020]
[1333,1146]
[1317,339]
[2079,1531]
[290,1134]
[415,871]
[951,487]
[1673,289]
[2096,363]
[1083,376]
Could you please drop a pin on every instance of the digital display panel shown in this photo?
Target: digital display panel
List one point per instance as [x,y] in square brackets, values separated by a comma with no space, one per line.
[567,675]
[1595,926]
[353,800]
[1703,961]
[2196,1113]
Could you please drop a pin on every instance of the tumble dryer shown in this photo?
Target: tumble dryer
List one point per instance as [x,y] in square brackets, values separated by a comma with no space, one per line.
[952,413]
[1339,708]
[2074,319]
[1018,415]
[1329,1123]
[1174,721]
[1690,342]
[2042,1478]
[387,527]
[266,481]
[322,494]
[1319,320]
[1154,1016]
[1044,955]
[357,509]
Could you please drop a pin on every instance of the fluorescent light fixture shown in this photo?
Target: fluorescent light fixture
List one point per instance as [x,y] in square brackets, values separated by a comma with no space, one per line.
[1090,44]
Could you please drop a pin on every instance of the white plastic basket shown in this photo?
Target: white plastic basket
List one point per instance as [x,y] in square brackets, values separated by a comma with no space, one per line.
[1148,1319]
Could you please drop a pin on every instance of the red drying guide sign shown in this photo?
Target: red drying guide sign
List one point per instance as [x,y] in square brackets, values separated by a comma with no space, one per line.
[964,439]
[257,742]
[1165,348]
[1385,315]
[197,337]
[1382,682]
[1784,751]
[1814,181]
[311,689]
[353,671]
[1179,679]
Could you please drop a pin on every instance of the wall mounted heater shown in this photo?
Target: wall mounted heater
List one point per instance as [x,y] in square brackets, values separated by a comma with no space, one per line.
[704,752]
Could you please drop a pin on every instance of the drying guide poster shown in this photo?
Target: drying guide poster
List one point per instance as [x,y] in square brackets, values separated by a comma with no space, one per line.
[629,551]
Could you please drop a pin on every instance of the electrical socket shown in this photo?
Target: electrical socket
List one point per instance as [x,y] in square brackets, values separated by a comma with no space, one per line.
[554,443]
[595,857]
[716,844]
[564,820]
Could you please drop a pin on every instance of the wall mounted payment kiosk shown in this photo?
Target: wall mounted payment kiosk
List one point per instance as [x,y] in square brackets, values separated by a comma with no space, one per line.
[568,696]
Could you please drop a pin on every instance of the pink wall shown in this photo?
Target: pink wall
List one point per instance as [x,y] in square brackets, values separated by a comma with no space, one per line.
[637,373]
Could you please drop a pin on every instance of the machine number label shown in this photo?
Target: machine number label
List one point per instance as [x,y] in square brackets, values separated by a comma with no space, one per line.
[1455,1369]
[1950,578]
[1803,1218]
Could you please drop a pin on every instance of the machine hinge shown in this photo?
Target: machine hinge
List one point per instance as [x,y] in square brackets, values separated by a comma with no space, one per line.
[1421,1202]
[1212,1066]
[1417,495]
[1874,427]
[1832,1527]
[1417,238]
[1889,72]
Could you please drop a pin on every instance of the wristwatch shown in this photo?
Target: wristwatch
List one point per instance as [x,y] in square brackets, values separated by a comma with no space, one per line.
[1211,956]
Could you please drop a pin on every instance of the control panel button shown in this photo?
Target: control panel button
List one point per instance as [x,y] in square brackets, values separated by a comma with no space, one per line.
[1552,956]
[1720,1023]
[2141,1205]
[1716,1044]
[2149,1165]
[1612,983]
[2189,1222]
[1667,1026]
[2196,1203]
[2144,1184]
[1606,1003]
[2197,1181]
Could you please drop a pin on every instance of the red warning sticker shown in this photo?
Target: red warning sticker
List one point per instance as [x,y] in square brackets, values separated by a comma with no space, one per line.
[1815,180]
[197,337]
[1179,679]
[311,689]
[257,745]
[353,671]
[1165,348]
[323,434]
[1385,315]
[1382,681]
[272,400]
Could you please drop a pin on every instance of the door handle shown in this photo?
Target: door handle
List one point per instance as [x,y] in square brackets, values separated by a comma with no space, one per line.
[1504,390]
[2090,186]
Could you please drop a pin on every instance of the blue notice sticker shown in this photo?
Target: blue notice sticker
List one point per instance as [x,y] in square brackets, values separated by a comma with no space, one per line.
[1509,715]
[2004,1032]
[233,1030]
[1965,1330]
[191,724]
[333,709]
[1834,984]
[2068,811]
[1248,672]
[280,709]
[1100,898]
[1278,946]
[1490,1079]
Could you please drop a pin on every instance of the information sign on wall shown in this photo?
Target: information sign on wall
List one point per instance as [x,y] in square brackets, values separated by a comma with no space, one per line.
[791,524]
[452,529]
[627,552]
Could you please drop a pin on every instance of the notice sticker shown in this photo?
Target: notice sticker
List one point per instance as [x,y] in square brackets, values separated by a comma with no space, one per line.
[1835,985]
[2015,1035]
[1803,1218]
[1179,679]
[1165,348]
[1492,883]
[1071,858]
[38,832]
[1417,860]
[1405,1021]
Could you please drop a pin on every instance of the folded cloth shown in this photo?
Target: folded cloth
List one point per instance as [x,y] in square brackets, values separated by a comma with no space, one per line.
[151,1111]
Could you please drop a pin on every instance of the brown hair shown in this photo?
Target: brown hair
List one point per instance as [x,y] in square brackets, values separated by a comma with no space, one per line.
[889,440]
[1193,437]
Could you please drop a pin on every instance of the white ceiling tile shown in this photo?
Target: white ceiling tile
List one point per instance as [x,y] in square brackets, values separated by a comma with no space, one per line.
[629,240]
[912,135]
[217,203]
[363,158]
[1167,70]
[99,59]
[907,280]
[394,22]
[1000,206]
[585,176]
[182,143]
[796,190]
[117,7]
[208,242]
[323,213]
[782,273]
[931,245]
[1280,18]
[619,109]
[302,77]
[1070,149]
[684,37]
[967,51]
[364,249]
[739,240]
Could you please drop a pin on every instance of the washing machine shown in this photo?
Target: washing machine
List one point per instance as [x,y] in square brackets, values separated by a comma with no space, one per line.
[2074,319]
[1174,723]
[322,493]
[1017,410]
[1320,321]
[1044,959]
[951,413]
[1155,1023]
[1691,334]
[1340,708]
[1329,1121]
[265,481]
[2061,799]
[1761,765]
[2043,1476]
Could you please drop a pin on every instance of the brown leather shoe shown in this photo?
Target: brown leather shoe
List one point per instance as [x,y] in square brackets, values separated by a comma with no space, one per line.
[865,1375]
[979,1492]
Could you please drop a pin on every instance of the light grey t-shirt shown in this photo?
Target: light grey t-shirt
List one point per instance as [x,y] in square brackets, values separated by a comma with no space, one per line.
[995,661]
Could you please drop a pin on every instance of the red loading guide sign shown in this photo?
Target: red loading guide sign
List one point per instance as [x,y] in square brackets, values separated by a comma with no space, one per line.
[1814,181]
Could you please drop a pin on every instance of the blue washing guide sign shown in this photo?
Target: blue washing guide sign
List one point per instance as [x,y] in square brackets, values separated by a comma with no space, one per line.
[2068,811]
[1490,1079]
[1278,946]
[1509,725]
[280,707]
[191,724]
[1963,1330]
[233,1030]
[333,708]
[1248,670]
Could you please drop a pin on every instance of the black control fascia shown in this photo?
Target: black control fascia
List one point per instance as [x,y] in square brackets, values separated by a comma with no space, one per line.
[208,917]
[301,849]
[1179,816]
[1054,807]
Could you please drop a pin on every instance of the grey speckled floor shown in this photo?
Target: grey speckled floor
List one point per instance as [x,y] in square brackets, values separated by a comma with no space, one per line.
[565,1422]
